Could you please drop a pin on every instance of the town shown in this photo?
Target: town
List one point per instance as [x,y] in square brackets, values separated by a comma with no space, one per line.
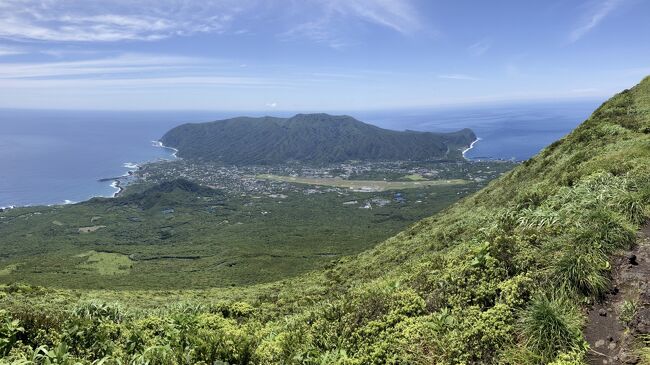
[356,176]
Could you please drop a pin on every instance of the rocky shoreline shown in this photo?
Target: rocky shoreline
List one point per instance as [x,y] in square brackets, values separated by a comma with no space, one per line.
[119,182]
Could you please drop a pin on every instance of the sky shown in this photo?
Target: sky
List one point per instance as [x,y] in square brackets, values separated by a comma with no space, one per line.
[316,55]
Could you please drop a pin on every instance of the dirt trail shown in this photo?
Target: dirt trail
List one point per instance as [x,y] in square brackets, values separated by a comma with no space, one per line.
[611,341]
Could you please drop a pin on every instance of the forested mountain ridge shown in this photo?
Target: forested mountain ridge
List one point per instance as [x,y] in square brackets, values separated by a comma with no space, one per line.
[502,277]
[312,138]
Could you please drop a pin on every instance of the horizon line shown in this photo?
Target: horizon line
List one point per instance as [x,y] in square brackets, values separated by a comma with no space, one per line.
[449,105]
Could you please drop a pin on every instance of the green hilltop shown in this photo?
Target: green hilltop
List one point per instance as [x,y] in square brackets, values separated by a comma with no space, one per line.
[501,277]
[312,138]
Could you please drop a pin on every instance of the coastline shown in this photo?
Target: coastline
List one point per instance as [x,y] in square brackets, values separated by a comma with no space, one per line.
[471,145]
[116,185]
[117,181]
[133,167]
[38,177]
[161,145]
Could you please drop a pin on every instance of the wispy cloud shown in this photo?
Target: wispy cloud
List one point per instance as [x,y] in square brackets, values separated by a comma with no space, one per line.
[142,83]
[479,48]
[458,77]
[149,20]
[134,72]
[10,50]
[319,31]
[117,20]
[330,19]
[398,15]
[595,14]
[120,64]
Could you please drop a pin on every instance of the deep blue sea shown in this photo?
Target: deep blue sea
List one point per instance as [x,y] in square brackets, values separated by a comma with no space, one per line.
[506,132]
[54,157]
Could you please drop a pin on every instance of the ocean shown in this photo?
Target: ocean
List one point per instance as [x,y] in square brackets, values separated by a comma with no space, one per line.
[506,132]
[58,157]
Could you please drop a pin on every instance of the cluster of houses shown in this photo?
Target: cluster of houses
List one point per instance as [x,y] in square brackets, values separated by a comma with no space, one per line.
[243,181]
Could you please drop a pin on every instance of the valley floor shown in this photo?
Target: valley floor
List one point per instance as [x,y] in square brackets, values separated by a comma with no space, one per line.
[247,230]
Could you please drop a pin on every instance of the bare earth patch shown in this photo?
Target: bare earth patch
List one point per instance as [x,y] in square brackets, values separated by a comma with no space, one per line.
[90,229]
[615,324]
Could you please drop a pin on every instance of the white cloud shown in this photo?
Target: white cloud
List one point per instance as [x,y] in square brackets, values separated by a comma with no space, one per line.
[398,15]
[479,48]
[121,64]
[458,77]
[148,20]
[132,71]
[10,51]
[115,20]
[319,31]
[272,105]
[139,83]
[330,16]
[596,13]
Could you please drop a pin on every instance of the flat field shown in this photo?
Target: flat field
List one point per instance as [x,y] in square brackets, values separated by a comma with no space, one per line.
[362,185]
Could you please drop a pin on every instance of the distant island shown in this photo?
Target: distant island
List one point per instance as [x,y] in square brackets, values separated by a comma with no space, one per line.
[311,138]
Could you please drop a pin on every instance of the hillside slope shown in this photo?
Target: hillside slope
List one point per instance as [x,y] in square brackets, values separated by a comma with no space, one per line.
[313,138]
[502,277]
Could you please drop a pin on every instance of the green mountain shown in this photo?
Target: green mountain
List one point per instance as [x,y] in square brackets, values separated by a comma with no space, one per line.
[504,276]
[314,138]
[168,193]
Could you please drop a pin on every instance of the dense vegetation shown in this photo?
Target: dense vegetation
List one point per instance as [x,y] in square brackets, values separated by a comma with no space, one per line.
[314,138]
[497,278]
[178,234]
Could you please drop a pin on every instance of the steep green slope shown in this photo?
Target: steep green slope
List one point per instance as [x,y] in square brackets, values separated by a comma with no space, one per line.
[499,278]
[314,138]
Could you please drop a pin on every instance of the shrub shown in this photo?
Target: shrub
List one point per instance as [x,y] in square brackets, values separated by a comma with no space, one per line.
[154,355]
[219,339]
[96,310]
[9,329]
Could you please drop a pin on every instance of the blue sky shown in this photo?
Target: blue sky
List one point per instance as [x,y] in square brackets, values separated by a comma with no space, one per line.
[316,55]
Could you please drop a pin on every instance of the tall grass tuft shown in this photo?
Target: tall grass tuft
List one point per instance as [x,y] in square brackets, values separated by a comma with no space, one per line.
[551,326]
[644,352]
[607,230]
[582,270]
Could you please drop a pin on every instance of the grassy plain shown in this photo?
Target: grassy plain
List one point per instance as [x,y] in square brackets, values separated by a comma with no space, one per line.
[363,185]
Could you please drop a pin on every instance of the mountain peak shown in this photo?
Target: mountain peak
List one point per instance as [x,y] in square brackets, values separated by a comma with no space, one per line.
[312,138]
